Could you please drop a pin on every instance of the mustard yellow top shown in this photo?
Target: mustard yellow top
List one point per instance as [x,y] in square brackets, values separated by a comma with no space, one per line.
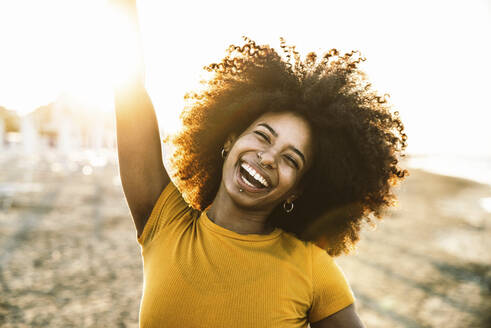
[199,274]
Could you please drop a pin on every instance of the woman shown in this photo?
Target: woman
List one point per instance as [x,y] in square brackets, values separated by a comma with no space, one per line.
[278,164]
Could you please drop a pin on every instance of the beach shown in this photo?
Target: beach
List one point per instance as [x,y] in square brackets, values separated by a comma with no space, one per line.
[69,256]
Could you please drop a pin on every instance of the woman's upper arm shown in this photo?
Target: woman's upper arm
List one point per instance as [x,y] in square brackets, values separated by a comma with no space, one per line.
[346,318]
[142,188]
[141,167]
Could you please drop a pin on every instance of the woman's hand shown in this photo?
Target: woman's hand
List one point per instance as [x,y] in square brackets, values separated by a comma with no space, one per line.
[126,38]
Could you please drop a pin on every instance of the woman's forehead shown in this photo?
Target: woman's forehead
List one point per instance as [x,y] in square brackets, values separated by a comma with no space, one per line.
[287,127]
[283,121]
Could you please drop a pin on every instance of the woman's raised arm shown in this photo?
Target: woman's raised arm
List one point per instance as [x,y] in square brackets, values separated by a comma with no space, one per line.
[141,168]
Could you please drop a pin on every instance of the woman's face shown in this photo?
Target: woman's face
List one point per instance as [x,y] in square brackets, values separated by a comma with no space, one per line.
[265,164]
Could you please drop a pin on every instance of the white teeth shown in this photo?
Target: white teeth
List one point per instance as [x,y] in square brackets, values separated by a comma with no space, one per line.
[255,174]
[247,182]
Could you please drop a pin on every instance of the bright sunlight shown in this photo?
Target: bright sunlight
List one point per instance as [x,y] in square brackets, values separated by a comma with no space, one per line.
[59,46]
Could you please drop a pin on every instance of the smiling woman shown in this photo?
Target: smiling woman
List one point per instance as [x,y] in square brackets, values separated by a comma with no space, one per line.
[278,163]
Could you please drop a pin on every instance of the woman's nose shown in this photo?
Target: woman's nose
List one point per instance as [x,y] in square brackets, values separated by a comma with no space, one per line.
[267,159]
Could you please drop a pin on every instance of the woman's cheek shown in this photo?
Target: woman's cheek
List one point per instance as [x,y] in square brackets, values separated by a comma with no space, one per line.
[289,178]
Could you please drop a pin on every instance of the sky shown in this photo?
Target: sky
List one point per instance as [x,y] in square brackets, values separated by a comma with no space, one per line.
[432,57]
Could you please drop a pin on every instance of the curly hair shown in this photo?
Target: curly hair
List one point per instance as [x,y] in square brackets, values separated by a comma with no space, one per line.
[357,138]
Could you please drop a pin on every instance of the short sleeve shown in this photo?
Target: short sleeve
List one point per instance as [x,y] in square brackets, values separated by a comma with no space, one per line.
[331,291]
[169,208]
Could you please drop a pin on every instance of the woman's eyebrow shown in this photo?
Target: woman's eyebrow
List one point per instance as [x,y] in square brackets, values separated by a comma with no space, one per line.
[299,153]
[273,132]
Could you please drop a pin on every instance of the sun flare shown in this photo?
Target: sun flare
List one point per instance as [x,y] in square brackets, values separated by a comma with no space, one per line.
[59,46]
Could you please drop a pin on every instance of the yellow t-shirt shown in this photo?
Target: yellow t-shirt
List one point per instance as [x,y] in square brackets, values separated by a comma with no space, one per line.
[199,274]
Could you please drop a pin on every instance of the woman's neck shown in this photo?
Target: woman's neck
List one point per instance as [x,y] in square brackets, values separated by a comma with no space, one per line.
[226,214]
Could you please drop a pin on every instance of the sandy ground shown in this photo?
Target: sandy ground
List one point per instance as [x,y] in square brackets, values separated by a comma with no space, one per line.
[69,257]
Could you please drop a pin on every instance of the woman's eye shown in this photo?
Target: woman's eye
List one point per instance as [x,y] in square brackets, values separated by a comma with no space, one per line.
[292,161]
[263,135]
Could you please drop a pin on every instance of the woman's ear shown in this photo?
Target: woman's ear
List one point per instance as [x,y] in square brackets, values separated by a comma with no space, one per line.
[291,198]
[297,192]
[229,142]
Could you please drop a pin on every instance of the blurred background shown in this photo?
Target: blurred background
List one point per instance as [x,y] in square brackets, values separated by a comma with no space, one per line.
[68,251]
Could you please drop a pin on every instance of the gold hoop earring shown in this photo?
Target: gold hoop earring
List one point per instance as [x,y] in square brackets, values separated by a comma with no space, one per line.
[286,208]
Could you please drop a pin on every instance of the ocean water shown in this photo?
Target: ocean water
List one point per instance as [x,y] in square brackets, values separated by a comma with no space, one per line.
[469,167]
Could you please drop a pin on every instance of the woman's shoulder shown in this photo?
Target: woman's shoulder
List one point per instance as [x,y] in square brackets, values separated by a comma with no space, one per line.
[170,209]
[294,239]
[309,251]
[301,249]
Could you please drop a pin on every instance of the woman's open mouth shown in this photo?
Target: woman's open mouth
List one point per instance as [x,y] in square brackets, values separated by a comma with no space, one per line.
[250,179]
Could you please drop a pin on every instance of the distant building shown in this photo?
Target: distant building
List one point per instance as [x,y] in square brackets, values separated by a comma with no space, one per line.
[10,123]
[64,124]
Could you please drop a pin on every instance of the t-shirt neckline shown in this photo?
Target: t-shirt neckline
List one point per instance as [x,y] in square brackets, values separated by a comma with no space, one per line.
[232,234]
